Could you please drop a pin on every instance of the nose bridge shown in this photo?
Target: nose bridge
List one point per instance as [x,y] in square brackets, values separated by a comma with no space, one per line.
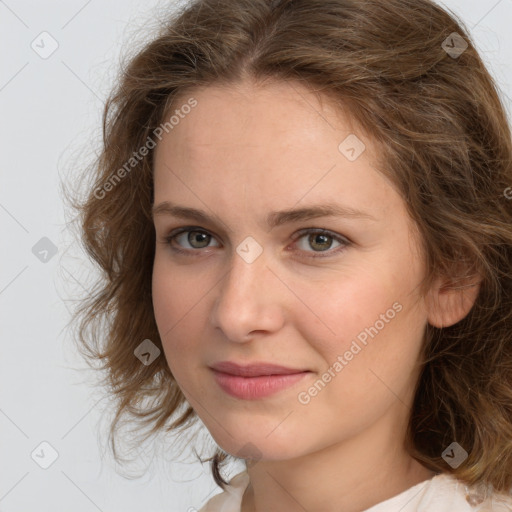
[248,299]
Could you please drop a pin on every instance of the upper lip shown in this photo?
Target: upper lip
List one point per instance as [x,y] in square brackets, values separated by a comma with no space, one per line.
[254,369]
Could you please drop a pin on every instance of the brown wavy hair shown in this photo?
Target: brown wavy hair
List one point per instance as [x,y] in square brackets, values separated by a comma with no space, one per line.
[444,141]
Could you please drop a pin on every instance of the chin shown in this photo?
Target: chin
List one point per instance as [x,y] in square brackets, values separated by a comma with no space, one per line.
[256,444]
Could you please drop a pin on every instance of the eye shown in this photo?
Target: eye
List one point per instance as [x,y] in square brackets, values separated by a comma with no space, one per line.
[196,238]
[320,240]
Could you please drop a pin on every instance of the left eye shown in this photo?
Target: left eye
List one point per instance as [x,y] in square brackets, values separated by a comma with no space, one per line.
[320,240]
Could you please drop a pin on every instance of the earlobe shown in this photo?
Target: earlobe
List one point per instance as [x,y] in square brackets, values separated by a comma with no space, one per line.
[448,302]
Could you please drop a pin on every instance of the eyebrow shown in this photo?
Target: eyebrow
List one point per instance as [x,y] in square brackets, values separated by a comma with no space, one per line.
[274,219]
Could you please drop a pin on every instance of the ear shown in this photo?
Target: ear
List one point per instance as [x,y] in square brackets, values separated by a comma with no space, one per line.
[450,300]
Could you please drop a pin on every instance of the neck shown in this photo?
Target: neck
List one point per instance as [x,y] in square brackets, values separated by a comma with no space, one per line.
[351,476]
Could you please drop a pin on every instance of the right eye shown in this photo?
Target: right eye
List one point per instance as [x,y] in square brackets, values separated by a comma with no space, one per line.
[195,237]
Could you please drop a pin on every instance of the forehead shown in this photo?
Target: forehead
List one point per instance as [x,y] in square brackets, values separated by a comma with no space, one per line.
[277,144]
[265,120]
[246,98]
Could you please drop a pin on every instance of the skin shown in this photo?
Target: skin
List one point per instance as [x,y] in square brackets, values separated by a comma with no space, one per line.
[242,152]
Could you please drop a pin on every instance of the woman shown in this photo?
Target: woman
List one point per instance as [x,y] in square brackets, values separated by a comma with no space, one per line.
[301,216]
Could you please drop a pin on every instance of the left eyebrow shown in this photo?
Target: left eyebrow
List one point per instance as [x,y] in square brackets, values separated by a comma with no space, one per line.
[279,218]
[274,219]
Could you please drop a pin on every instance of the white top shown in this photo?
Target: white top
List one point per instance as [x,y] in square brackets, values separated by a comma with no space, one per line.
[442,493]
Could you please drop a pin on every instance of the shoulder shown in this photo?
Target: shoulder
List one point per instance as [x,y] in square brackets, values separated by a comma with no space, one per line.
[443,493]
[230,499]
[447,493]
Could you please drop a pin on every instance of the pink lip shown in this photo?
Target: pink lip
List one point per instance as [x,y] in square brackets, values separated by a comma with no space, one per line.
[255,381]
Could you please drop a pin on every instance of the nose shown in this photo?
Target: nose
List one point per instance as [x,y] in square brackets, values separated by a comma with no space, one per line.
[250,300]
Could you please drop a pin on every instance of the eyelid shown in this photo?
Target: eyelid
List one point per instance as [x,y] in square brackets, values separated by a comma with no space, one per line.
[171,237]
[185,229]
[305,231]
[343,240]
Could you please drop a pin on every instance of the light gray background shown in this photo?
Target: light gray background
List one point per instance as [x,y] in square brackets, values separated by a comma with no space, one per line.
[51,124]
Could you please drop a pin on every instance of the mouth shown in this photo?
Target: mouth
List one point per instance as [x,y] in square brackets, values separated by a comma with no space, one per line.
[255,381]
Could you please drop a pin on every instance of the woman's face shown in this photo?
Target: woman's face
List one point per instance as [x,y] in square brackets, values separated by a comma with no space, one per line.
[340,310]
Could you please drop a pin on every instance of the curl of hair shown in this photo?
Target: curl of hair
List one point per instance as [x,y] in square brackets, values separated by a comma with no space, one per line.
[444,143]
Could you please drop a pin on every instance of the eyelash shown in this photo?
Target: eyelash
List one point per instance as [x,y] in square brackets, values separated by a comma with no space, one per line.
[169,239]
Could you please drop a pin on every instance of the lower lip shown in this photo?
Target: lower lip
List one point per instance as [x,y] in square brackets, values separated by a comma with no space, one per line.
[253,388]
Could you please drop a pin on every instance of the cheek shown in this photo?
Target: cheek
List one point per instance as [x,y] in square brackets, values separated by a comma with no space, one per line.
[177,312]
[343,307]
[370,307]
[165,304]
[176,301]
